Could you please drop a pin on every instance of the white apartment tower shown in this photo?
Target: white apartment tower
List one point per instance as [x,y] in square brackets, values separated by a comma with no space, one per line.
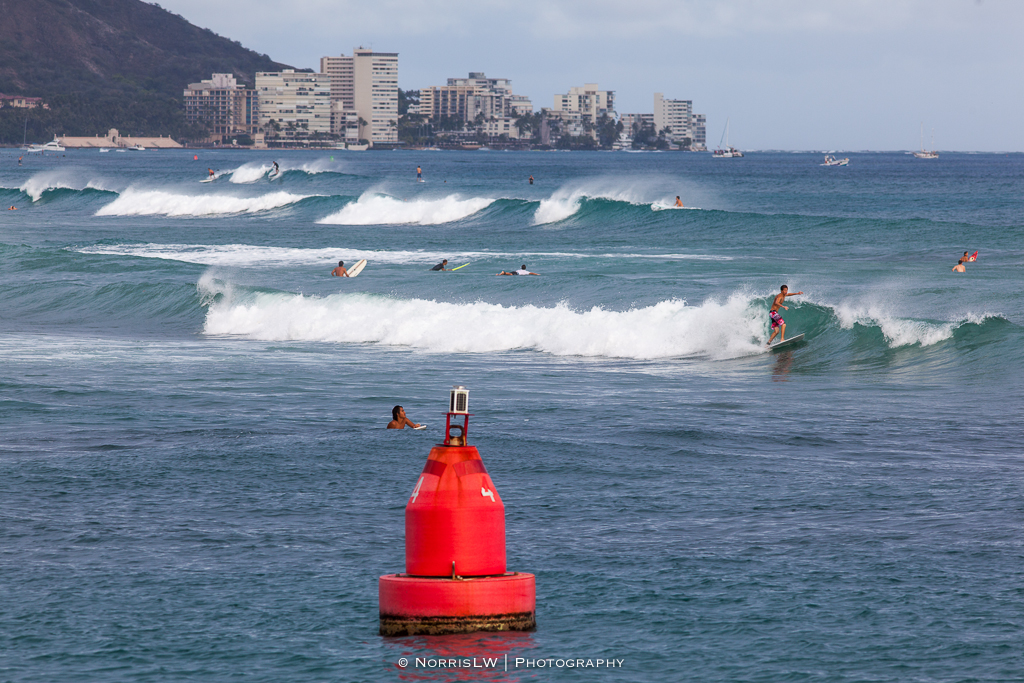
[364,93]
[467,98]
[294,104]
[587,102]
[685,127]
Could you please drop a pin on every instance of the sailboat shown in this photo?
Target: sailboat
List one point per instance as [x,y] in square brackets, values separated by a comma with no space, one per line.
[923,154]
[726,152]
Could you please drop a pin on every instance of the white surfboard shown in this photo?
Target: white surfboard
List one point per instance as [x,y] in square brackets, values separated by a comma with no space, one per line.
[420,427]
[792,341]
[658,206]
[358,268]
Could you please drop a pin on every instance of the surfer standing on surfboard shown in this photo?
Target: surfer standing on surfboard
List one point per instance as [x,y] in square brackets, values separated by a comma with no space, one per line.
[679,203]
[340,270]
[778,324]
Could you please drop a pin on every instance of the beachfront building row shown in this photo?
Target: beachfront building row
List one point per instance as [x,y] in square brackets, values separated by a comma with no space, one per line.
[487,103]
[351,100]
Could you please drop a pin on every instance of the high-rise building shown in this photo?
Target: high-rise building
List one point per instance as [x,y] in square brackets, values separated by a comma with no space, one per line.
[588,102]
[700,137]
[294,105]
[223,105]
[466,99]
[676,116]
[364,90]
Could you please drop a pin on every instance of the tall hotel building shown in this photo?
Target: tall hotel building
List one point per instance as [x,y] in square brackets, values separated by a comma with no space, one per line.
[685,127]
[364,95]
[294,104]
[226,107]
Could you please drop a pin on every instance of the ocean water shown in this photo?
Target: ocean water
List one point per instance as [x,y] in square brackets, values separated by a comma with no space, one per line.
[195,482]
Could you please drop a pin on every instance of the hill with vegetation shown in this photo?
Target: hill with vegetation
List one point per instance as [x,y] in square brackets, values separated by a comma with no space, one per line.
[103,64]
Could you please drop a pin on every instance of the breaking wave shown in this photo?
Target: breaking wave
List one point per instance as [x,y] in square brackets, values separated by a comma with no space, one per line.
[41,183]
[665,330]
[378,209]
[133,202]
[250,255]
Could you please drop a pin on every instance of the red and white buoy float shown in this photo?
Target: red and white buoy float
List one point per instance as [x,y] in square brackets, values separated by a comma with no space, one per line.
[455,578]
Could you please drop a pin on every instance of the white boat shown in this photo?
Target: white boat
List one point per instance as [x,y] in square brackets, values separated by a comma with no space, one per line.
[832,161]
[623,142]
[926,154]
[103,149]
[137,148]
[51,146]
[726,152]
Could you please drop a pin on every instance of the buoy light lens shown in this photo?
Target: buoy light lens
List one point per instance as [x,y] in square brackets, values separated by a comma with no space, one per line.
[459,401]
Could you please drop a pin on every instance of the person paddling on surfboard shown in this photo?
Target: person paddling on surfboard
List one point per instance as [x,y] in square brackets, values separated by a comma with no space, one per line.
[399,420]
[441,265]
[340,270]
[778,324]
[521,271]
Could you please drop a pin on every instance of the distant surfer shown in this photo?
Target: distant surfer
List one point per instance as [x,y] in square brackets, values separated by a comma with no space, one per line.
[521,271]
[419,173]
[19,161]
[13,208]
[210,173]
[968,259]
[277,170]
[399,420]
[441,265]
[959,267]
[340,270]
[679,203]
[778,324]
[531,180]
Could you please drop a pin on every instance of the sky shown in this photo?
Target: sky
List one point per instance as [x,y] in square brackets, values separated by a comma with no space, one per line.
[845,75]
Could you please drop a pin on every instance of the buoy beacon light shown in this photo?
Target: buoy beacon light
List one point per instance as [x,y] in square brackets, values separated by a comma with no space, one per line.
[455,578]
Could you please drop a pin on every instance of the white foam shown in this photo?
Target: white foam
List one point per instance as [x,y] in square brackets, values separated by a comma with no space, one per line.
[665,330]
[133,202]
[567,200]
[897,331]
[254,171]
[247,255]
[39,183]
[376,209]
[249,173]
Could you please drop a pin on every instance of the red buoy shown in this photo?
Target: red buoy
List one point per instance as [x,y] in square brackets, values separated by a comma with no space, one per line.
[455,578]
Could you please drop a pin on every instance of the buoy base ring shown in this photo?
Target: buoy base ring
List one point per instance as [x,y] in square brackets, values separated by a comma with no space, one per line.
[411,605]
[391,625]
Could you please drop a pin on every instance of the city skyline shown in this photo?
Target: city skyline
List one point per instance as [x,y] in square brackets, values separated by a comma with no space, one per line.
[795,75]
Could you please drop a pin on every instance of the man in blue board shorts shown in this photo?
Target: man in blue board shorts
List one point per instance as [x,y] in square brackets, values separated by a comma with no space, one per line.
[778,324]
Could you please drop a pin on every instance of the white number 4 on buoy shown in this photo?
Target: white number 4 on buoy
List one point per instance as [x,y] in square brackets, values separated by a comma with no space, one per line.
[487,494]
